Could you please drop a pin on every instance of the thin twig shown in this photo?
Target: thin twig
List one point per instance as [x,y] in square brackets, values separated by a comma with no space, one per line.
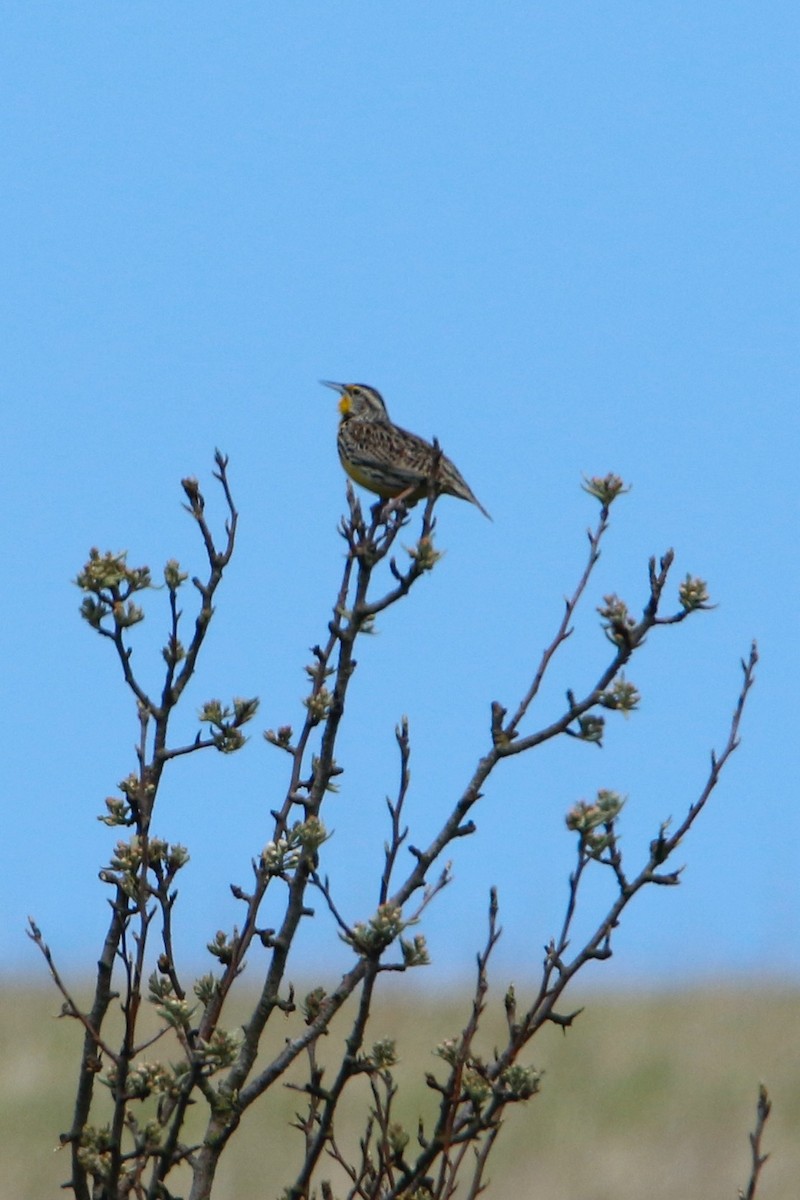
[763,1109]
[70,1009]
[564,630]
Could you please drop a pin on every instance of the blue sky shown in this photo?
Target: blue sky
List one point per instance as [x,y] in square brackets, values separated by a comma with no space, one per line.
[561,238]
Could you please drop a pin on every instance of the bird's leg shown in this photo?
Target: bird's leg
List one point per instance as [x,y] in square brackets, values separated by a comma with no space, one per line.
[396,504]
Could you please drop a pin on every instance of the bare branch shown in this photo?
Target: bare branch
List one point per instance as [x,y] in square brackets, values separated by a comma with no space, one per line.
[763,1109]
[227,1072]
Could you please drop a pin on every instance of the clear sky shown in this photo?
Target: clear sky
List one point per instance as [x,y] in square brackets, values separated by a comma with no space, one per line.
[562,238]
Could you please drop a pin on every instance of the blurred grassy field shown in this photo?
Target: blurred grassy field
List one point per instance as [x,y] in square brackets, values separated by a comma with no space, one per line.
[646,1096]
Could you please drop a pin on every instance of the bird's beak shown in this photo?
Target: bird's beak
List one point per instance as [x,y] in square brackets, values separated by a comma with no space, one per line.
[341,388]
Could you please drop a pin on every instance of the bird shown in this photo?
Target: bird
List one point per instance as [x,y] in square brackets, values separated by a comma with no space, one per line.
[385,459]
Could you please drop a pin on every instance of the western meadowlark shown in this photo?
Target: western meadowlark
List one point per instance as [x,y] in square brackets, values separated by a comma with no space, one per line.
[389,460]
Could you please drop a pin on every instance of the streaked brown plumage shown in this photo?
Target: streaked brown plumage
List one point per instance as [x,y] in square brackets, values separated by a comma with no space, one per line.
[386,459]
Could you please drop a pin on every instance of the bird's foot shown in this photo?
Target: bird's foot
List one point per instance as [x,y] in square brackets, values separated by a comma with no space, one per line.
[397,504]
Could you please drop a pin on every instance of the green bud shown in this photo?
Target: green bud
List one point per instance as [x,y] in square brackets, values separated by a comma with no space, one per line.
[278,857]
[384,1054]
[617,621]
[398,1138]
[310,834]
[318,705]
[424,554]
[622,697]
[521,1082]
[605,488]
[313,1003]
[229,740]
[415,952]
[372,937]
[94,612]
[173,575]
[282,738]
[126,615]
[244,710]
[220,1050]
[174,652]
[448,1050]
[476,1087]
[221,948]
[177,857]
[119,812]
[205,988]
[693,594]
[158,987]
[176,1013]
[591,728]
[212,713]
